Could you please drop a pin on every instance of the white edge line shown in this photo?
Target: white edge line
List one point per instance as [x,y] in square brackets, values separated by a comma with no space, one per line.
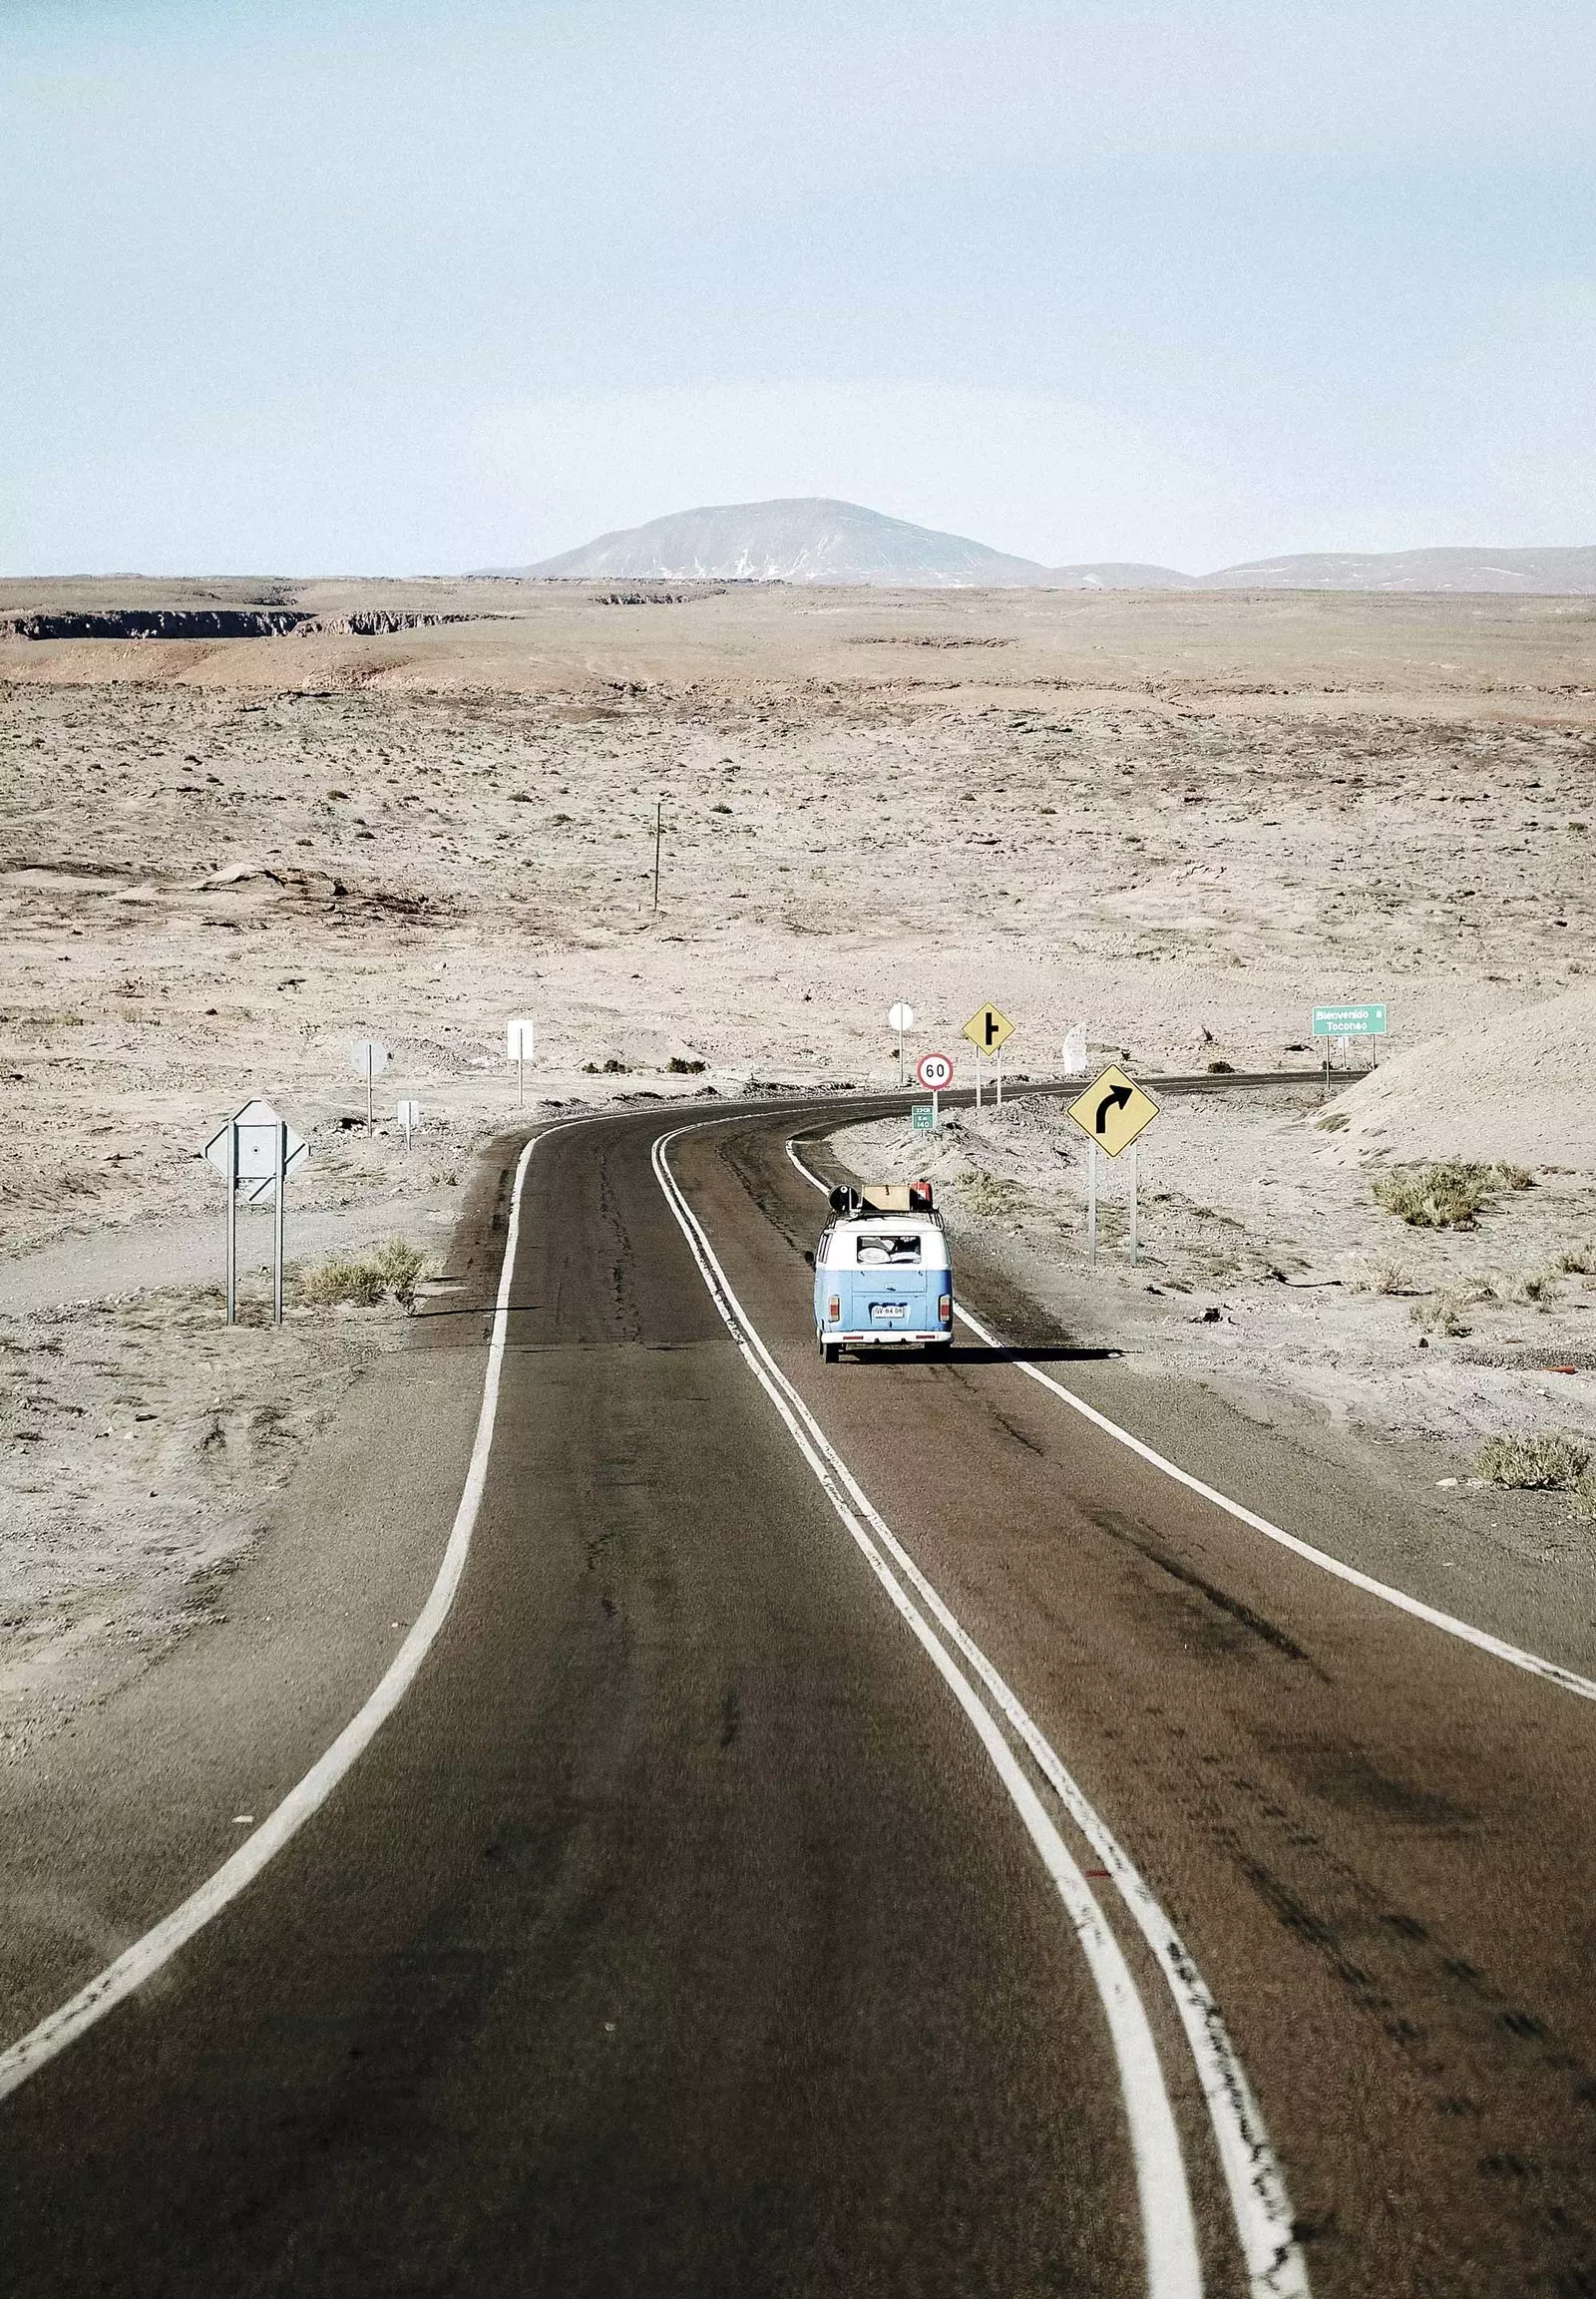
[1260,2202]
[1553,1672]
[1169,2233]
[137,1964]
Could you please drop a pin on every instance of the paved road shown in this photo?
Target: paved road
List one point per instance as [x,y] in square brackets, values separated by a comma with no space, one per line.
[678,1933]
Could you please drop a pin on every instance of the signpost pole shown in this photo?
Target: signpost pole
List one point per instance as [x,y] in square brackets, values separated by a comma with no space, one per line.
[232,1221]
[278,1219]
[1092,1204]
[977,1077]
[901,1079]
[1000,1068]
[1131,1154]
[935,1101]
[660,824]
[369,1126]
[520,1069]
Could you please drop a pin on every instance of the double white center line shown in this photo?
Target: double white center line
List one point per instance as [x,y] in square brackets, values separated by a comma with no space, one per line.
[1260,2204]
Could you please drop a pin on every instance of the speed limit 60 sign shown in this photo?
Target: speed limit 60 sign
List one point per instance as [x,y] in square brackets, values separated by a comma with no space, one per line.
[935,1071]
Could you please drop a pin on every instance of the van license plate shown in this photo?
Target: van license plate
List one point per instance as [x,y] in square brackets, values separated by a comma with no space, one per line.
[888,1308]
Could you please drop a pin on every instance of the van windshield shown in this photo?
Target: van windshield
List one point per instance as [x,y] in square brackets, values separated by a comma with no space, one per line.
[896,1248]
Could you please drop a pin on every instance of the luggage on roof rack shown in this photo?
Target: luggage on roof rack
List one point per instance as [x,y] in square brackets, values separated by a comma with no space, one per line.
[881,1198]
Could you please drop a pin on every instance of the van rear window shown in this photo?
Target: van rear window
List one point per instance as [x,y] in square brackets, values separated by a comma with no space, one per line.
[888,1249]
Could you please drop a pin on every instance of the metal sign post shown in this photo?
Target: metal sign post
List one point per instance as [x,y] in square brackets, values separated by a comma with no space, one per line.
[1113,1113]
[280,1198]
[255,1152]
[989,1031]
[900,1019]
[370,1058]
[660,824]
[409,1116]
[520,1043]
[232,1221]
[935,1071]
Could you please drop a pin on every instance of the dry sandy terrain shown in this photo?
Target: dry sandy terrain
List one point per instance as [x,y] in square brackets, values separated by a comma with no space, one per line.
[1176,820]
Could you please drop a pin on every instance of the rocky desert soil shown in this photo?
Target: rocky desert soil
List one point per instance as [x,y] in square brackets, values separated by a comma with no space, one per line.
[1176,822]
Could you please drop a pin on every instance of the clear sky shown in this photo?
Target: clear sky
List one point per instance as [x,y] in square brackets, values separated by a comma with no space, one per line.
[362,286]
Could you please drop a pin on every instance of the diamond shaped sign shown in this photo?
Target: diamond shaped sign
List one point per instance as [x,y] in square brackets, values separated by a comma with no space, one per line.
[258,1129]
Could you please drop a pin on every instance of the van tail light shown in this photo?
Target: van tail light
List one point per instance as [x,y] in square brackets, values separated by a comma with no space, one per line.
[945,1308]
[834,1310]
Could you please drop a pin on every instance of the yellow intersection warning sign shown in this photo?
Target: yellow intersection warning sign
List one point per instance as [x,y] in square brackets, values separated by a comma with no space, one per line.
[1114,1111]
[988,1029]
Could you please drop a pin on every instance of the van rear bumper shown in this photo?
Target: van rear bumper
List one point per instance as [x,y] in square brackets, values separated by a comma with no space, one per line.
[874,1338]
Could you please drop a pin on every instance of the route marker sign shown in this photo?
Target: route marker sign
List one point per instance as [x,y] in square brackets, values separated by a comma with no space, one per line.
[1075,1053]
[409,1116]
[1114,1111]
[988,1028]
[923,1117]
[255,1152]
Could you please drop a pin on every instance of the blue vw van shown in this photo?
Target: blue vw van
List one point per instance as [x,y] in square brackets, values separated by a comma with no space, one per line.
[882,1274]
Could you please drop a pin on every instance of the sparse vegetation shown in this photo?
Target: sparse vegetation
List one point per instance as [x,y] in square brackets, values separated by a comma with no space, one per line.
[1442,1314]
[1578,1260]
[680,1066]
[988,1194]
[391,1269]
[1384,1276]
[1449,1193]
[1556,1460]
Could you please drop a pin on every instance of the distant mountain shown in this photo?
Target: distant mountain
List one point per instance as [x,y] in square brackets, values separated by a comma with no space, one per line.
[1524,571]
[803,539]
[811,538]
[1118,574]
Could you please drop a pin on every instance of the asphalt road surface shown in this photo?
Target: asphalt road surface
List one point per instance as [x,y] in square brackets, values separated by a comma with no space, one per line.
[1086,1895]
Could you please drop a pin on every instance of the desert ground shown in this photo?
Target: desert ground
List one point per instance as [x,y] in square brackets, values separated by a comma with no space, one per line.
[1175,821]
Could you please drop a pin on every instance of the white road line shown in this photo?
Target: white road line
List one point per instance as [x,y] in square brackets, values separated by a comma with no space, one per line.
[138,1963]
[1169,2233]
[1258,2199]
[1553,1672]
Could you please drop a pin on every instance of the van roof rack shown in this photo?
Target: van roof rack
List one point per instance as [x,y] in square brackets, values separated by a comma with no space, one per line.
[882,1197]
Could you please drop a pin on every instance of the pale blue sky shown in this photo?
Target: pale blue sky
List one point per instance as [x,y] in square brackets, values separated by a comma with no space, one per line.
[364,286]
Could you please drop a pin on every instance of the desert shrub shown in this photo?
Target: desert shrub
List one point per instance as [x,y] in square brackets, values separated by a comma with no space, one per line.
[1578,1260]
[1555,1460]
[1384,1276]
[1443,1315]
[390,1268]
[1585,1498]
[990,1194]
[1221,1069]
[1538,1286]
[681,1068]
[1445,1195]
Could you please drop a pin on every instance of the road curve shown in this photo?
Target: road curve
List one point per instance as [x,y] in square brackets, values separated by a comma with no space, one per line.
[676,1933]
